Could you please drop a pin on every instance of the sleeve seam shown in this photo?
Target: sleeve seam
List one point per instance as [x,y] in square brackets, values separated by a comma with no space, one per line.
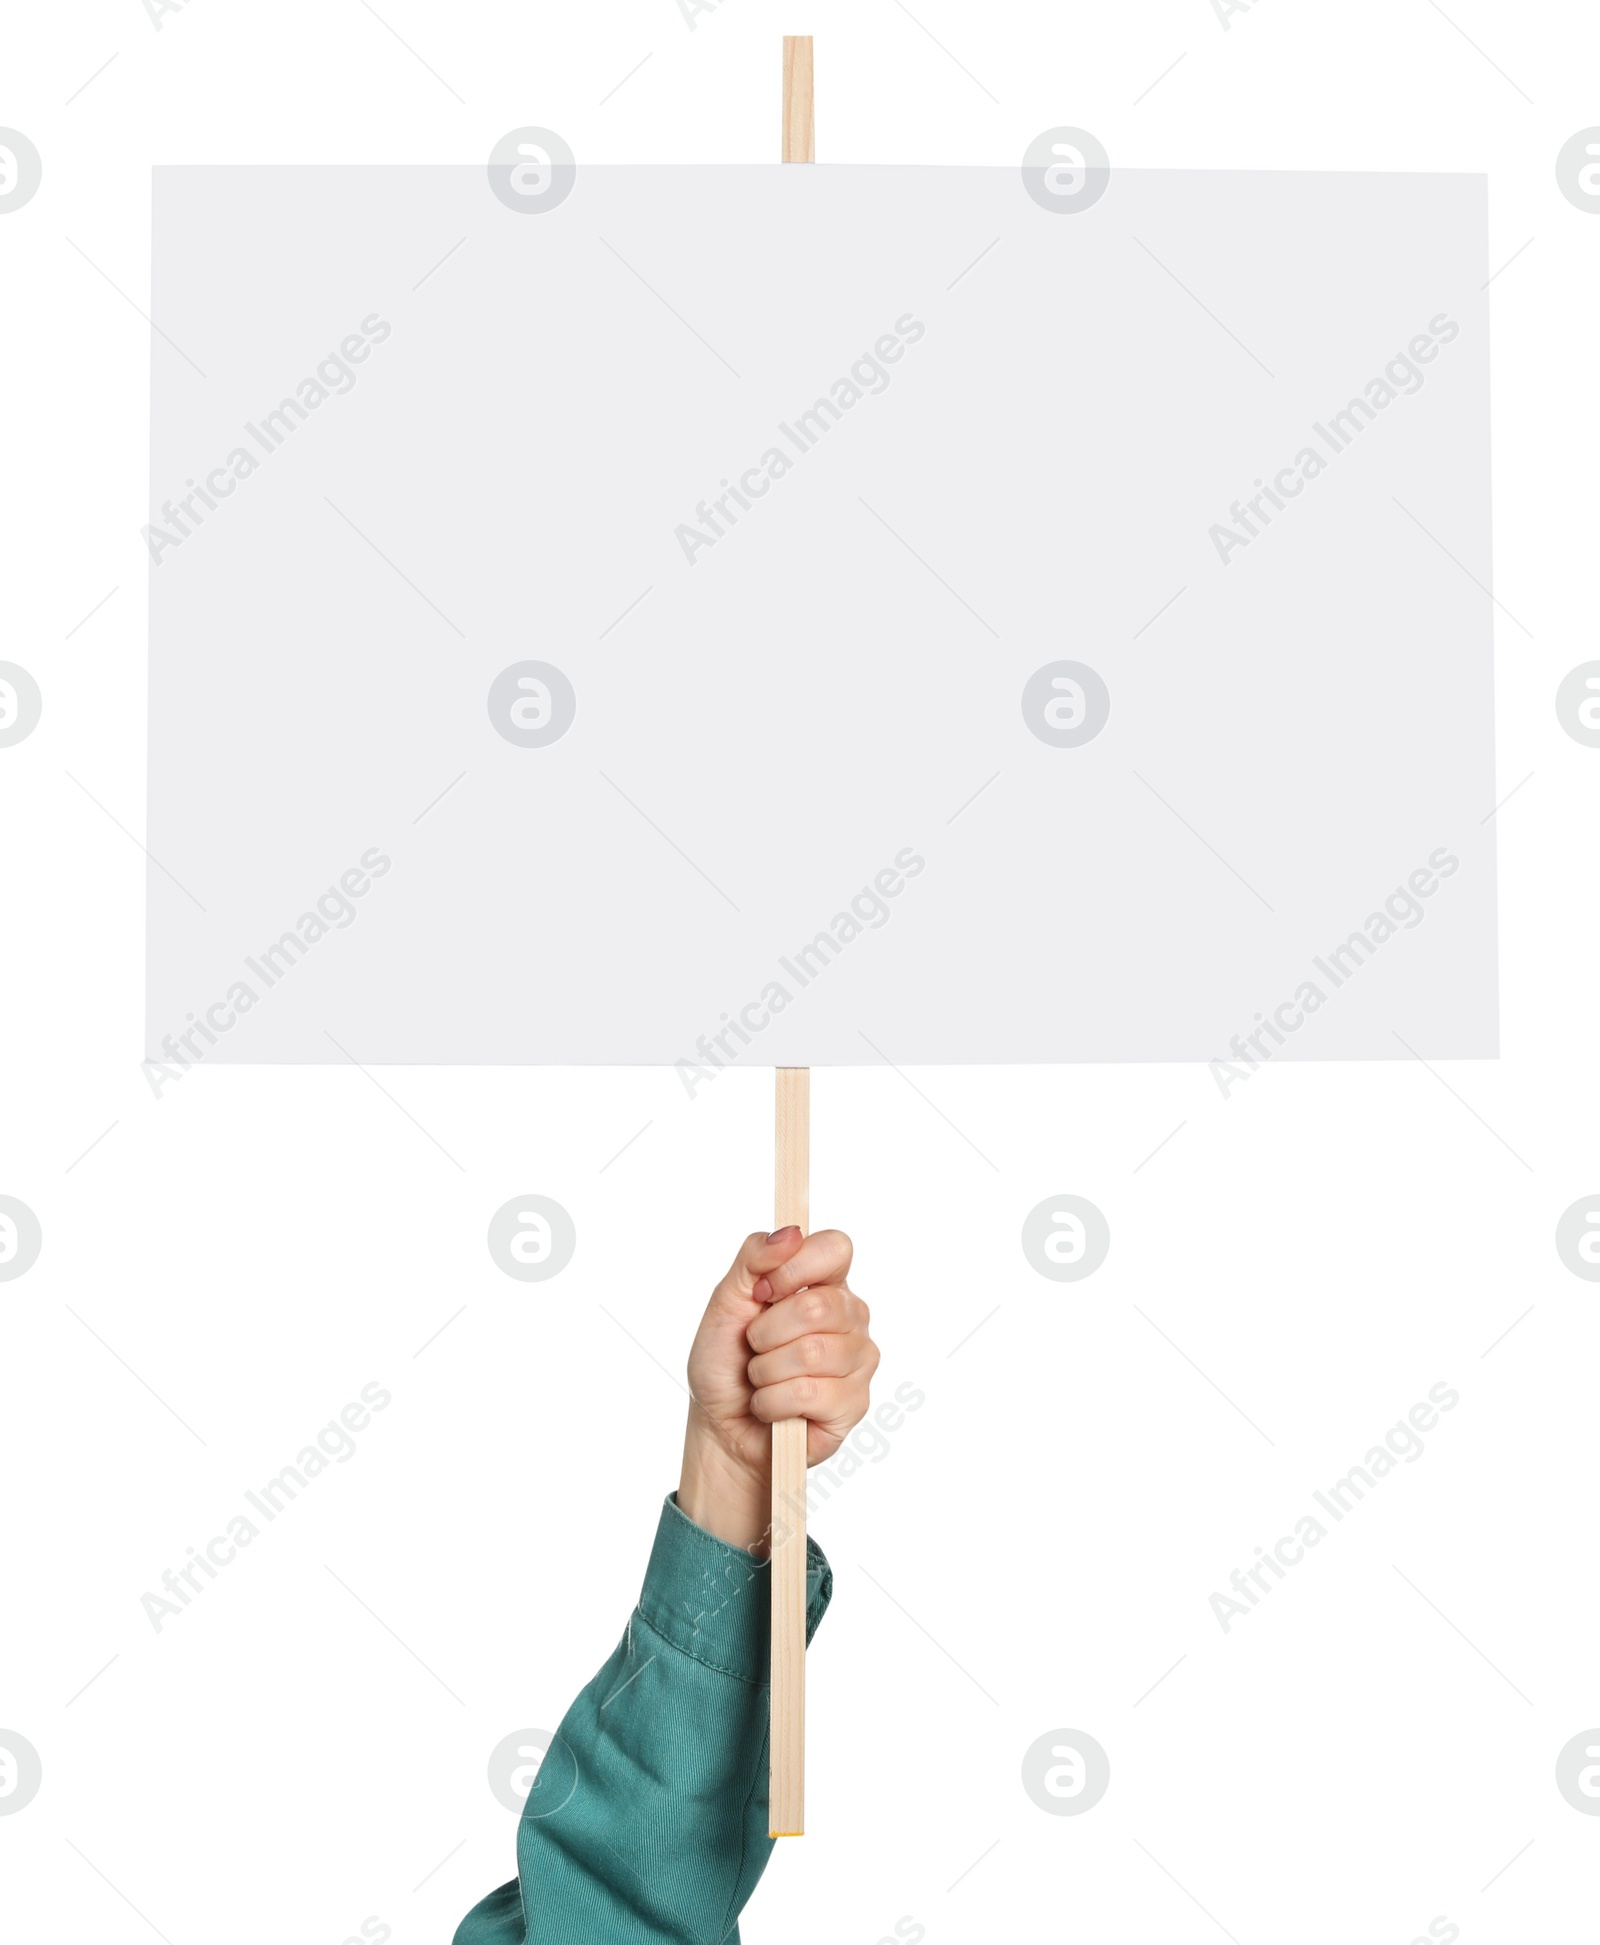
[730,1918]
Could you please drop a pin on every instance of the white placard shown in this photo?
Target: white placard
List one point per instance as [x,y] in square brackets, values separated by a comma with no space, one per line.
[807,616]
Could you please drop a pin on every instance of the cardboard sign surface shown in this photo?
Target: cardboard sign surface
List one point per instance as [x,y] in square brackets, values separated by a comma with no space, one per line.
[853,612]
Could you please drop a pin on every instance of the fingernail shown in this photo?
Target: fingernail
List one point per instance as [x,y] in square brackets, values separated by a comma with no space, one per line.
[778,1234]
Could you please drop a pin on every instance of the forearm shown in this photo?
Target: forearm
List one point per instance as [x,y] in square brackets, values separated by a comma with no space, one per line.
[648,1818]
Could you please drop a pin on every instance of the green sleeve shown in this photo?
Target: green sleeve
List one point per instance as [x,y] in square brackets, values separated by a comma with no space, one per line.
[647,1822]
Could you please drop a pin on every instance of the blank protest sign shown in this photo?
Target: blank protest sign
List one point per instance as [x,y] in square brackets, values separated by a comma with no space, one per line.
[1105,651]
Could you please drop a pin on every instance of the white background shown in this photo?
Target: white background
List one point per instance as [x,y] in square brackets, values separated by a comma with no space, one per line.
[1346,1763]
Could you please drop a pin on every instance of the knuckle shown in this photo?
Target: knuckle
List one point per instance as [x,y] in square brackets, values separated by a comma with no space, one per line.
[813,1350]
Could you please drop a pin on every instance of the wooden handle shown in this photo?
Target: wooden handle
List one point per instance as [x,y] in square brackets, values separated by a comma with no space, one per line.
[799,121]
[786,1801]
[786,1796]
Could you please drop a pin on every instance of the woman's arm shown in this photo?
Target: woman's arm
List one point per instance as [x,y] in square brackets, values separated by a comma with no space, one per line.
[648,1818]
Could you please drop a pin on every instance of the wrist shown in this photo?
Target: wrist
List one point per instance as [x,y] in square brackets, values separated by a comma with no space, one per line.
[719,1492]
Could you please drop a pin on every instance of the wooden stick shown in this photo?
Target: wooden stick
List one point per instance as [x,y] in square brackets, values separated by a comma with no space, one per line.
[799,123]
[786,1795]
[786,1802]
[786,1798]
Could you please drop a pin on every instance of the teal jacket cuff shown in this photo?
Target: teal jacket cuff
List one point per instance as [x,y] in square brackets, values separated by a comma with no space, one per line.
[712,1601]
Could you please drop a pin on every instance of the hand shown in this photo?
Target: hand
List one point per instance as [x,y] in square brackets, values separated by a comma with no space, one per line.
[783,1336]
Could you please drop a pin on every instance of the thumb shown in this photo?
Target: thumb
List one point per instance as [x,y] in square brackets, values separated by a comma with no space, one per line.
[759,1255]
